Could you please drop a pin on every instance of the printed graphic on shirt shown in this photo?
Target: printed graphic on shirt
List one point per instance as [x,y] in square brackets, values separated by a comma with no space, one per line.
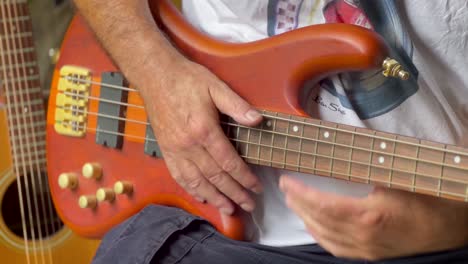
[283,15]
[369,94]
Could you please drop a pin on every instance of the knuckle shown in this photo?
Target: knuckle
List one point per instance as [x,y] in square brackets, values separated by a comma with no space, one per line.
[371,219]
[194,183]
[216,178]
[196,128]
[230,165]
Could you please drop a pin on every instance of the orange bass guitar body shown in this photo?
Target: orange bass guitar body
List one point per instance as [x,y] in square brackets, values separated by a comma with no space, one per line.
[267,73]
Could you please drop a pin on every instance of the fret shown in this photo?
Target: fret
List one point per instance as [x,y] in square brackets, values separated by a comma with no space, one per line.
[425,169]
[33,92]
[39,135]
[439,183]
[325,148]
[353,142]
[266,141]
[418,149]
[16,36]
[31,166]
[18,51]
[279,137]
[35,114]
[22,79]
[361,155]
[28,127]
[286,141]
[405,162]
[294,142]
[382,162]
[33,145]
[253,139]
[342,163]
[371,156]
[16,19]
[30,155]
[21,104]
[18,65]
[309,145]
[455,172]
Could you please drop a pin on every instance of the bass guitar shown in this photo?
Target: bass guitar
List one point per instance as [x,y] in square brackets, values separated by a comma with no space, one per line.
[30,229]
[105,163]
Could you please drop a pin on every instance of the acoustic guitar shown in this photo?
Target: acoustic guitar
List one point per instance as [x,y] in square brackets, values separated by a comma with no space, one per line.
[105,163]
[30,229]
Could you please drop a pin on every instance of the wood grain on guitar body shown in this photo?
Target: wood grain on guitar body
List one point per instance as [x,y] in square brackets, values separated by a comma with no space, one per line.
[105,164]
[30,230]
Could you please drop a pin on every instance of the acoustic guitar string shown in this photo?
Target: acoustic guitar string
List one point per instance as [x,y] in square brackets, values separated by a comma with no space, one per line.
[35,172]
[12,126]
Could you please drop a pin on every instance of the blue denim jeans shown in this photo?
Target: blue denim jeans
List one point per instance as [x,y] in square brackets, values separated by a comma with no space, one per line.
[160,234]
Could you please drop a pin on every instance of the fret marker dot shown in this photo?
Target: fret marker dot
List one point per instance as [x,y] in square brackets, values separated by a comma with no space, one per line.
[31,70]
[25,110]
[295,128]
[381,160]
[268,123]
[326,134]
[457,159]
[383,145]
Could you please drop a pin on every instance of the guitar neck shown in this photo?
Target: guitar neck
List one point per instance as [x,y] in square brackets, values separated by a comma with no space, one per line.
[20,80]
[353,154]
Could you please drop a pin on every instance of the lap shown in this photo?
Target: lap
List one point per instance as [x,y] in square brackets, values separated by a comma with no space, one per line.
[160,234]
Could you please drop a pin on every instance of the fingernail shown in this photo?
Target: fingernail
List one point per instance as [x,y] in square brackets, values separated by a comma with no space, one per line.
[247,207]
[282,183]
[252,115]
[257,189]
[226,211]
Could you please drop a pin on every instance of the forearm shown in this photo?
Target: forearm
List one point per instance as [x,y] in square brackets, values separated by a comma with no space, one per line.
[128,32]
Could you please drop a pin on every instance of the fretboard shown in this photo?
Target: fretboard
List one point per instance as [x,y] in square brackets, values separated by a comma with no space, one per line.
[20,80]
[353,154]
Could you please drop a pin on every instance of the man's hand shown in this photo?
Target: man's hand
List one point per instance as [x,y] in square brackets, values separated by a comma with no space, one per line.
[183,110]
[182,100]
[387,223]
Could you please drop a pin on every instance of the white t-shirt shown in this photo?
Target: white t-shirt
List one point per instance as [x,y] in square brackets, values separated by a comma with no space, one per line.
[429,37]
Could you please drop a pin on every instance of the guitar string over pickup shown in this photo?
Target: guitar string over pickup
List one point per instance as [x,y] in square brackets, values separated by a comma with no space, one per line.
[392,68]
[71,101]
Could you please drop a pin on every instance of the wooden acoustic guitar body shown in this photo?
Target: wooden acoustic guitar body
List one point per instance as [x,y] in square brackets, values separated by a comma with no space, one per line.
[267,73]
[30,230]
[63,246]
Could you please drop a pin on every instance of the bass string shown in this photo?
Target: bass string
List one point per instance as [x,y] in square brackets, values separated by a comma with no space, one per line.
[288,119]
[287,135]
[370,165]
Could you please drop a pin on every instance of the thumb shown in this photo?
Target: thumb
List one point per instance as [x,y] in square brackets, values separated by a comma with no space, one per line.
[231,104]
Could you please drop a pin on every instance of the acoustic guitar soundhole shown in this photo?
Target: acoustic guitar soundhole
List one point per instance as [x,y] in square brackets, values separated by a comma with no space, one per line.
[40,218]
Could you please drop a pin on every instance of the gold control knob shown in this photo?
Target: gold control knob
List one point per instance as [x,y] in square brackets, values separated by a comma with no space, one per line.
[68,180]
[123,187]
[92,171]
[87,201]
[105,194]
